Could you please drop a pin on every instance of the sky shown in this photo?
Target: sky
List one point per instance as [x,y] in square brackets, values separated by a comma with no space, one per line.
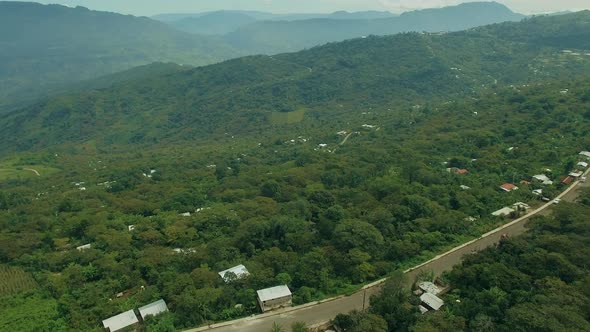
[152,7]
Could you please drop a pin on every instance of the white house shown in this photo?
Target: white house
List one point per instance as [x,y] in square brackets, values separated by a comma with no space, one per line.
[431,301]
[239,271]
[576,174]
[582,164]
[120,321]
[521,206]
[274,297]
[542,178]
[152,309]
[84,247]
[506,211]
[585,155]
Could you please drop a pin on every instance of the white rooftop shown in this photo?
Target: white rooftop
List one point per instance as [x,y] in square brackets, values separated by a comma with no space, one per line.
[583,164]
[153,309]
[541,177]
[432,301]
[576,174]
[429,287]
[240,271]
[503,212]
[273,293]
[120,321]
[585,154]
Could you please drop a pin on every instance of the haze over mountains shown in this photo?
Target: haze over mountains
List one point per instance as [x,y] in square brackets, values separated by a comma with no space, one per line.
[44,48]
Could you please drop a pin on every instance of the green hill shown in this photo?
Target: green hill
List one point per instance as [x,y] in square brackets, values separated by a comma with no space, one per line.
[238,95]
[43,47]
[323,170]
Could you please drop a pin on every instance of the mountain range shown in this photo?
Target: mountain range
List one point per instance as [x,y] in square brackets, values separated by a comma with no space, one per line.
[46,49]
[241,95]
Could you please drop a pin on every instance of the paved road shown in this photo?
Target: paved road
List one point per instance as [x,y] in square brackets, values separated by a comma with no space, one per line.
[319,313]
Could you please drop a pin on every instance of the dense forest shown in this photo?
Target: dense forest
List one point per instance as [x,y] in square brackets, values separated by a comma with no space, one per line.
[535,282]
[321,170]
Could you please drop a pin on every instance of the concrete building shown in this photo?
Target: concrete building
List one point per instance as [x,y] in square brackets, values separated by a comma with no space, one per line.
[429,287]
[239,272]
[120,321]
[274,297]
[152,309]
[84,247]
[431,301]
[506,211]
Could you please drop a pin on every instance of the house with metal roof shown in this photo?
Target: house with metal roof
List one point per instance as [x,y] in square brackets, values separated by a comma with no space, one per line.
[120,321]
[274,297]
[429,287]
[152,309]
[239,272]
[431,301]
[505,211]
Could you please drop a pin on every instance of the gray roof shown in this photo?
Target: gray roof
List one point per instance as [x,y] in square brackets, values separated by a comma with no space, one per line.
[432,301]
[273,293]
[240,271]
[429,287]
[120,321]
[153,309]
[503,212]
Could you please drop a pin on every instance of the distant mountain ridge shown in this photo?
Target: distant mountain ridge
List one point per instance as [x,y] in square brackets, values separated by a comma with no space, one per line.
[238,96]
[288,36]
[45,46]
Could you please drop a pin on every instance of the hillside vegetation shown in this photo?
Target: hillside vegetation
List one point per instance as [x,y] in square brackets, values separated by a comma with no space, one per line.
[322,170]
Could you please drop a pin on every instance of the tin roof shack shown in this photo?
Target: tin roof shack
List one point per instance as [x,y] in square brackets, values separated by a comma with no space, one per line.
[429,287]
[152,309]
[274,298]
[431,302]
[236,272]
[120,321]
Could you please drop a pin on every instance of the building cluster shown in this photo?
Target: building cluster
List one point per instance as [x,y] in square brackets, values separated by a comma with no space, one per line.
[134,317]
[429,301]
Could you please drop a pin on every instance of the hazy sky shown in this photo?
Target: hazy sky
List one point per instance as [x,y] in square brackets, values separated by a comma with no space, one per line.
[151,7]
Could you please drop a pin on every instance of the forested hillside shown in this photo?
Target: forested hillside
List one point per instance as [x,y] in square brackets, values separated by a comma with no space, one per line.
[322,170]
[240,96]
[535,282]
[46,46]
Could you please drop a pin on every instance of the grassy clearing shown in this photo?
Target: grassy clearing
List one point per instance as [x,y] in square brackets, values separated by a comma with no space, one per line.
[282,118]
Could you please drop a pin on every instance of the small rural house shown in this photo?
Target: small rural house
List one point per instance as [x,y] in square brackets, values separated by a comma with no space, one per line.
[542,178]
[508,187]
[239,272]
[505,211]
[582,164]
[568,180]
[274,297]
[584,155]
[430,302]
[576,174]
[152,309]
[120,321]
[520,206]
[84,247]
[429,287]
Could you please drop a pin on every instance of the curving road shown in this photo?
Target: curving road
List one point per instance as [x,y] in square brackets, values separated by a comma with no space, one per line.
[318,313]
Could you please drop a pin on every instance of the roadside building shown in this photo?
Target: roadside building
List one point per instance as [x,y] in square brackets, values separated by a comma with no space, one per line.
[431,301]
[237,272]
[274,298]
[120,321]
[520,206]
[429,287]
[576,174]
[567,180]
[508,187]
[505,211]
[582,164]
[584,155]
[152,309]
